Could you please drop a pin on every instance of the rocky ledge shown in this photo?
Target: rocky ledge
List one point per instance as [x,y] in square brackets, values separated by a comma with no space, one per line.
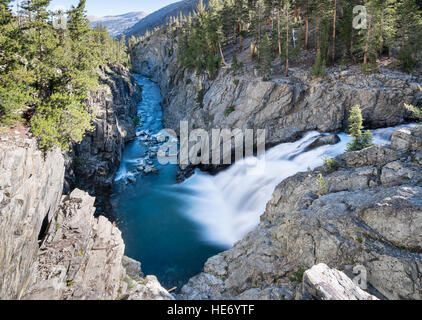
[367,214]
[81,258]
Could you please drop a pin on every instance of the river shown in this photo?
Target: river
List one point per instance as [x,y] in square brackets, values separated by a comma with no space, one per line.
[174,228]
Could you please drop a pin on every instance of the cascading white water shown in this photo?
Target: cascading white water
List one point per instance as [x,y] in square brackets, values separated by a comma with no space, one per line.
[229,205]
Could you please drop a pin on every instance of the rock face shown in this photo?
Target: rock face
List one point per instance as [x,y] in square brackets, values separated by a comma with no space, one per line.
[323,283]
[369,216]
[82,258]
[285,107]
[31,185]
[94,163]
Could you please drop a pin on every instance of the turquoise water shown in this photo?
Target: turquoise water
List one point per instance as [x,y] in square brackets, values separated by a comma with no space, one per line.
[151,212]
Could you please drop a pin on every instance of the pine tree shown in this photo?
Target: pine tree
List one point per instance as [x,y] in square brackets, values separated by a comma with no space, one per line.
[266,56]
[409,26]
[361,140]
[14,77]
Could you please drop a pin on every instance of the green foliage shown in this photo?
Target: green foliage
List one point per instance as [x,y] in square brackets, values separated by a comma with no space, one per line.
[369,68]
[200,40]
[321,185]
[61,120]
[266,56]
[229,111]
[405,61]
[318,69]
[391,24]
[46,73]
[298,275]
[200,96]
[331,164]
[361,140]
[236,66]
[417,111]
[136,121]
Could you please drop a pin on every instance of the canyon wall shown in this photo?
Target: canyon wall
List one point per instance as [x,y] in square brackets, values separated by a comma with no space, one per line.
[285,107]
[93,163]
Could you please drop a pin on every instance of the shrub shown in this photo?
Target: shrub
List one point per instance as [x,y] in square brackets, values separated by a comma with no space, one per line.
[136,121]
[318,69]
[298,275]
[321,185]
[331,164]
[229,111]
[237,66]
[361,140]
[417,111]
[201,95]
[369,68]
[405,60]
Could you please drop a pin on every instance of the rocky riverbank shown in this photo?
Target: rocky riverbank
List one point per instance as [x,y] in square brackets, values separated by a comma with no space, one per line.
[368,214]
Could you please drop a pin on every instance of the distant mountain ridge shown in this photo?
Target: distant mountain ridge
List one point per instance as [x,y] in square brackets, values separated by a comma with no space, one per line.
[162,16]
[116,25]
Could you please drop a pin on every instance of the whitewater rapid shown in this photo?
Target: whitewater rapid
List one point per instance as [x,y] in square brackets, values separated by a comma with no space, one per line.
[229,205]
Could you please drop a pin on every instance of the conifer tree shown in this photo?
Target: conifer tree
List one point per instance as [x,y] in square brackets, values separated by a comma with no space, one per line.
[361,140]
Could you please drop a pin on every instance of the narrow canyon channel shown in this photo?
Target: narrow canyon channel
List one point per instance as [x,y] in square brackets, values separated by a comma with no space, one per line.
[174,228]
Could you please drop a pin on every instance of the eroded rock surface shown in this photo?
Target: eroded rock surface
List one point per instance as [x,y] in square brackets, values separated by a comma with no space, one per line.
[82,258]
[31,185]
[370,215]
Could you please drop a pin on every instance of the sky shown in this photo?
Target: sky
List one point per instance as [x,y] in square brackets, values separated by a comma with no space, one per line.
[102,8]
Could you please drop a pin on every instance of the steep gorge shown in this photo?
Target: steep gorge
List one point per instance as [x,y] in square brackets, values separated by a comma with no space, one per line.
[51,245]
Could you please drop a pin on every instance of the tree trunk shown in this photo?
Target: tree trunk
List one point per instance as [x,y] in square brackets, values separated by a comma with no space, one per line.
[287,43]
[333,53]
[368,36]
[307,33]
[382,35]
[279,31]
[240,37]
[253,50]
[222,55]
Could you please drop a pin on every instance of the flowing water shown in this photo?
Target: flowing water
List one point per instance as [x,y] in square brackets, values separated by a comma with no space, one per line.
[174,228]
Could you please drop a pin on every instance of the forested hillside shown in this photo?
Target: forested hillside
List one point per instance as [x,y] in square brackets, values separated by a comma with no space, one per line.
[335,31]
[48,66]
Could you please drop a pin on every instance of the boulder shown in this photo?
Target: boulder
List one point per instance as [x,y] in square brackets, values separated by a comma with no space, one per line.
[322,283]
[323,141]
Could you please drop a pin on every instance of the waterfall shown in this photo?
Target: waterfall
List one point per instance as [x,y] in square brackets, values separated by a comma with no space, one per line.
[229,205]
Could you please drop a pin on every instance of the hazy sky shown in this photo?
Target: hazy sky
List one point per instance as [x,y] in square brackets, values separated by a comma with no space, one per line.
[114,7]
